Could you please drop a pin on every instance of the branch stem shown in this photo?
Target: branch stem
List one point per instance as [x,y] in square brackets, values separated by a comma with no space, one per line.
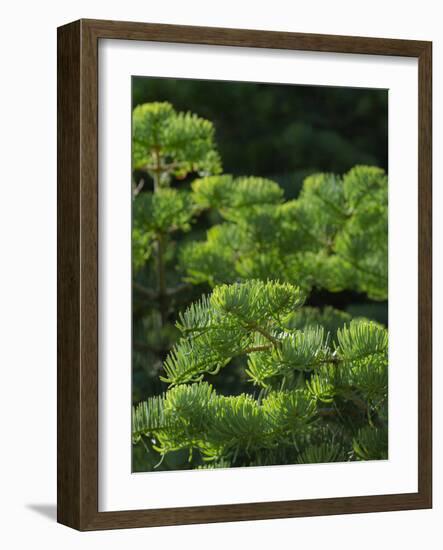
[161,276]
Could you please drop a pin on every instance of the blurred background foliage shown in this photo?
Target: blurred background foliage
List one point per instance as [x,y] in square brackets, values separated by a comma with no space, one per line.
[281,132]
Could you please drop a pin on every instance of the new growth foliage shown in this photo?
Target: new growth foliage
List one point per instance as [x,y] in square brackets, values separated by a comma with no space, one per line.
[334,236]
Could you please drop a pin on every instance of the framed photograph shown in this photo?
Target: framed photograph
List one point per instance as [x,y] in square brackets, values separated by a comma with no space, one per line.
[244,275]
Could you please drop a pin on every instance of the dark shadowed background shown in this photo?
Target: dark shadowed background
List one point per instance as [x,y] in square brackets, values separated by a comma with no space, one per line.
[283,132]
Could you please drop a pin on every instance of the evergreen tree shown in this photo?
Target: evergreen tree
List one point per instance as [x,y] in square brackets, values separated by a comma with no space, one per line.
[314,381]
[166,147]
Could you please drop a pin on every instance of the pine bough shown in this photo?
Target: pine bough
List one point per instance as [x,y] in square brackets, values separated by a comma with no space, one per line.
[314,398]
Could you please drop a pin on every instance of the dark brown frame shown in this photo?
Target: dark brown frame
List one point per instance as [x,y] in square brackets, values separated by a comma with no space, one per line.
[77,455]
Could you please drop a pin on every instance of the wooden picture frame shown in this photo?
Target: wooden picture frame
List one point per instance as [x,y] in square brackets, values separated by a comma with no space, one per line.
[78,244]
